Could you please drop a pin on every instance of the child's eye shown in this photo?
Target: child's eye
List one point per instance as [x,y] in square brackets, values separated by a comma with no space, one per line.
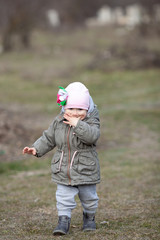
[80,109]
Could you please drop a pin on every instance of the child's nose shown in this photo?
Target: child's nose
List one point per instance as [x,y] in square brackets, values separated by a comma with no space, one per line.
[75,112]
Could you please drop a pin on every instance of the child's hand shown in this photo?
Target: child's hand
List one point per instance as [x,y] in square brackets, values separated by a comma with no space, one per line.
[29,151]
[71,120]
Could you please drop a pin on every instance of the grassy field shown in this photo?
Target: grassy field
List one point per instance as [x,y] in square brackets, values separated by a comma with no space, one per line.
[129,147]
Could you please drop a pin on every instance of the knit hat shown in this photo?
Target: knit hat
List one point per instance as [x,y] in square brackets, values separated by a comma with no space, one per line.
[76,96]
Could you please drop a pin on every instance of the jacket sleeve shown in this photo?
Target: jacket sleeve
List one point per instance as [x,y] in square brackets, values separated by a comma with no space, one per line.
[89,131]
[46,142]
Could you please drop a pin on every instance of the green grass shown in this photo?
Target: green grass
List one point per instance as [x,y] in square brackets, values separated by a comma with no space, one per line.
[120,90]
[25,165]
[128,148]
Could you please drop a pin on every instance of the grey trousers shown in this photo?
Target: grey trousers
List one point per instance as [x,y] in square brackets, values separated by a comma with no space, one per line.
[65,196]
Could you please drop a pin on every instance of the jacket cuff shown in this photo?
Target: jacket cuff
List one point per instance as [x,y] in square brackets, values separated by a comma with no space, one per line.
[36,155]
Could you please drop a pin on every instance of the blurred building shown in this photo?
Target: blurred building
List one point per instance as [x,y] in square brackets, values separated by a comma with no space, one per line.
[129,16]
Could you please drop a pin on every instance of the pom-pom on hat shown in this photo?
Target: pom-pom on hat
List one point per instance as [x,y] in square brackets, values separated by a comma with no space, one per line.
[76,95]
[62,96]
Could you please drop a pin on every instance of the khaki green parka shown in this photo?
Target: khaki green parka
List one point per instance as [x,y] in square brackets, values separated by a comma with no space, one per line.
[76,161]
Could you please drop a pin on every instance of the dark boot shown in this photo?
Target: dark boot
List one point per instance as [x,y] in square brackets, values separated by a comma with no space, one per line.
[89,222]
[63,226]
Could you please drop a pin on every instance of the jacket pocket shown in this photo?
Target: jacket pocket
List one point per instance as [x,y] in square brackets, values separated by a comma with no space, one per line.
[86,163]
[57,162]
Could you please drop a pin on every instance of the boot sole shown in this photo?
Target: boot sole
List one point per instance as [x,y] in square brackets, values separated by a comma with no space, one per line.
[89,229]
[59,232]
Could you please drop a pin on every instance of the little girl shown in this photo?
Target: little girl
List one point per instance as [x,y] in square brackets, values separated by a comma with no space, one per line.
[75,164]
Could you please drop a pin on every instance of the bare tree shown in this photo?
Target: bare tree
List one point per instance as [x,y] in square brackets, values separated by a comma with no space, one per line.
[19,17]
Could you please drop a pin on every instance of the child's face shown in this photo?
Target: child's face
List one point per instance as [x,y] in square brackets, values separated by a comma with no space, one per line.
[76,112]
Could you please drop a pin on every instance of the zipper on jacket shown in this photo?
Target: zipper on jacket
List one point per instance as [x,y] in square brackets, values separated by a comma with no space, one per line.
[69,156]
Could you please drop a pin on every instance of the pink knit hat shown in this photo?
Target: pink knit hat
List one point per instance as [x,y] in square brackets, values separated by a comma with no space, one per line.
[78,96]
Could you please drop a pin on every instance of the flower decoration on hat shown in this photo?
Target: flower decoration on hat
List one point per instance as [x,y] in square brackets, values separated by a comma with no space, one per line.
[62,97]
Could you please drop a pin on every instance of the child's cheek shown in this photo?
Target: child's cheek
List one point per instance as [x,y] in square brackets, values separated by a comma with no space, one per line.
[82,116]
